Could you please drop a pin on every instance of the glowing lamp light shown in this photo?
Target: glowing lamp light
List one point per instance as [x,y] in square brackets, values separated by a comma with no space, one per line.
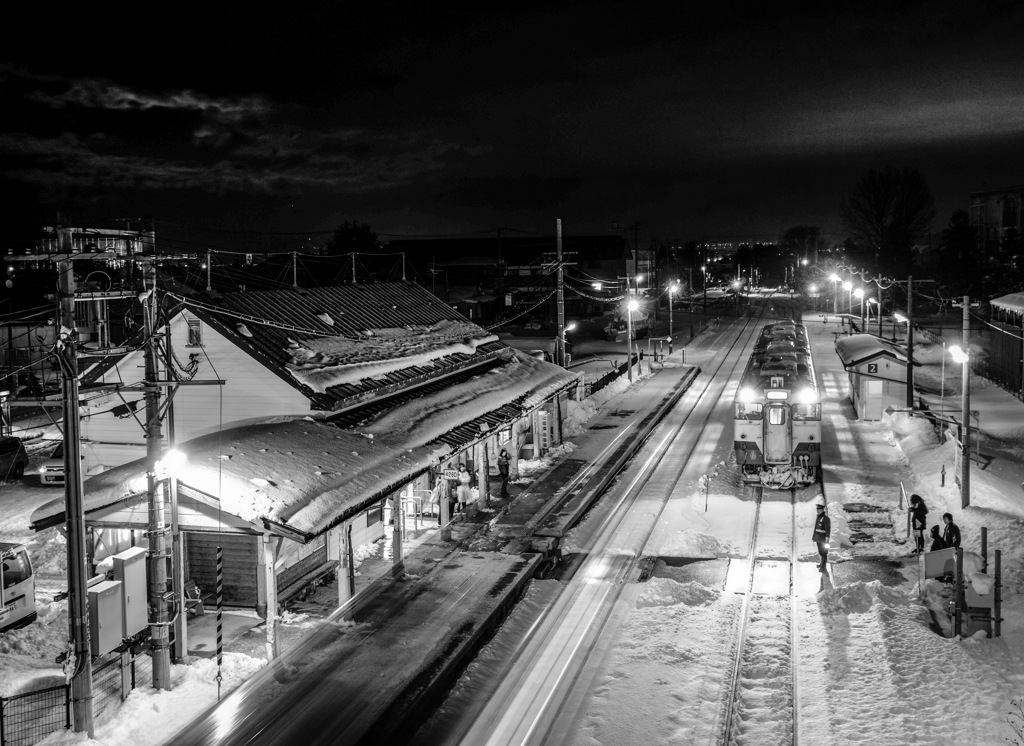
[170,464]
[747,395]
[808,396]
[847,286]
[899,318]
[813,288]
[633,305]
[833,277]
[673,289]
[858,293]
[596,285]
[958,354]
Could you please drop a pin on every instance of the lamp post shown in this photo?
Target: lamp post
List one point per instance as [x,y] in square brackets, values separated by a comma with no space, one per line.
[564,342]
[848,287]
[963,357]
[835,293]
[870,302]
[899,318]
[671,291]
[859,293]
[812,290]
[631,306]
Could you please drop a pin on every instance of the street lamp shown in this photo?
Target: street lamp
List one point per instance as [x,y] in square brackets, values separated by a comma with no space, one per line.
[565,331]
[870,302]
[812,290]
[848,287]
[672,289]
[859,293]
[898,318]
[963,357]
[835,293]
[631,306]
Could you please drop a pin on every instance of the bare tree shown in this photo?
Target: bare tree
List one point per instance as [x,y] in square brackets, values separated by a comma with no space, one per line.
[889,210]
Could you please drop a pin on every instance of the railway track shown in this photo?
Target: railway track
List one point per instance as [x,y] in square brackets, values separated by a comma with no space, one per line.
[527,705]
[761,706]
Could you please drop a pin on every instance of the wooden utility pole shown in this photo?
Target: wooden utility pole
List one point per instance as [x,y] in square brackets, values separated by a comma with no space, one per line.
[560,340]
[910,342]
[965,414]
[74,506]
[159,554]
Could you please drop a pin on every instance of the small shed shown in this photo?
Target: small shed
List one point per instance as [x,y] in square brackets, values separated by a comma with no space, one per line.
[877,371]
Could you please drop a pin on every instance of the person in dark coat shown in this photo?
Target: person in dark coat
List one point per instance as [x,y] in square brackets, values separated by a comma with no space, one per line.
[821,535]
[918,520]
[936,540]
[503,470]
[950,534]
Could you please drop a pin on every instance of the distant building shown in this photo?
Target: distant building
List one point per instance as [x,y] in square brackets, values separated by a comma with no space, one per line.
[993,213]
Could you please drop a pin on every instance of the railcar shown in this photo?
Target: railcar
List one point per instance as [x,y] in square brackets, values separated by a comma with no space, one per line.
[777,425]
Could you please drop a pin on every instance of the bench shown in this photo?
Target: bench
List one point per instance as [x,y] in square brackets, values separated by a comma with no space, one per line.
[193,599]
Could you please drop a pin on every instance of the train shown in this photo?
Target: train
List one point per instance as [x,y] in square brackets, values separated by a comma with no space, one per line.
[777,412]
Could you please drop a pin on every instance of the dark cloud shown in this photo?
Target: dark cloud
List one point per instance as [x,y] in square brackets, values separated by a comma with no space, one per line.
[721,119]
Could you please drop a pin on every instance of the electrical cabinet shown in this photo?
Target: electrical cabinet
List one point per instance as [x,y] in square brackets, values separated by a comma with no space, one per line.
[106,621]
[130,570]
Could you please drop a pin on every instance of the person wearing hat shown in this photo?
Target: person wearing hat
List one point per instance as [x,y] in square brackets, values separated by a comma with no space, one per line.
[821,535]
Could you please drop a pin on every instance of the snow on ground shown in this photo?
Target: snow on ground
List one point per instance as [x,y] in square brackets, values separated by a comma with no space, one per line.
[872,668]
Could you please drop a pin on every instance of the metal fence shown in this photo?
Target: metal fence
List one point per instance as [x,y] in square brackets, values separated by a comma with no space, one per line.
[32,716]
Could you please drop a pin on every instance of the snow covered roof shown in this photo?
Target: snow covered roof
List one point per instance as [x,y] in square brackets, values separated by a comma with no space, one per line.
[856,348]
[1011,302]
[340,344]
[308,475]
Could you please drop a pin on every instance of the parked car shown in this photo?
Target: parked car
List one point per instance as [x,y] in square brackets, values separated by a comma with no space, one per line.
[51,471]
[13,458]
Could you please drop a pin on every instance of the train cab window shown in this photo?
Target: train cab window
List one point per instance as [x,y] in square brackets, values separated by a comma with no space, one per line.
[777,416]
[807,411]
[749,410]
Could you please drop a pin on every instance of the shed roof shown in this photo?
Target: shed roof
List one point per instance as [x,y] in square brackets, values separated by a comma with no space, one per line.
[1012,302]
[858,348]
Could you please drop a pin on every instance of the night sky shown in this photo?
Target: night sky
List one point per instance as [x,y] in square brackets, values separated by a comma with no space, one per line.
[270,126]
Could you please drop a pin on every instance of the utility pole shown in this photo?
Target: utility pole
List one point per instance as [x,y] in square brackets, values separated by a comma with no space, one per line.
[965,413]
[295,269]
[910,342]
[209,269]
[158,549]
[74,506]
[560,341]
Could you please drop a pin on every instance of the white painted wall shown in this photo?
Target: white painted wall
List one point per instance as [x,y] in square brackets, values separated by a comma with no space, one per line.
[250,392]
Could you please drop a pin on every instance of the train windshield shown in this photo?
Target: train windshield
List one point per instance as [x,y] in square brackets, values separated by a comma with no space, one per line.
[807,411]
[749,410]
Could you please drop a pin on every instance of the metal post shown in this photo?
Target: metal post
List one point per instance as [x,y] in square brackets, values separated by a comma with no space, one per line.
[958,592]
[158,552]
[74,508]
[965,412]
[997,602]
[670,291]
[629,335]
[220,612]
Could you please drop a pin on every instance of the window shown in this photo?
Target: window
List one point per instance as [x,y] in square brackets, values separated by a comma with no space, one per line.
[749,410]
[16,569]
[504,436]
[195,333]
[776,416]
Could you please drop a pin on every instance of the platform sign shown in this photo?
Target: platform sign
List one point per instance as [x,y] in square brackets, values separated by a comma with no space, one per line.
[450,474]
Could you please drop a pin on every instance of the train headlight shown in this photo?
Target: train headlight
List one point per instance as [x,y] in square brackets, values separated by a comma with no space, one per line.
[747,395]
[808,396]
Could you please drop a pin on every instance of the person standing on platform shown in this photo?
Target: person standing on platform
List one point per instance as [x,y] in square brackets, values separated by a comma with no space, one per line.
[918,521]
[463,493]
[951,533]
[937,543]
[822,534]
[503,469]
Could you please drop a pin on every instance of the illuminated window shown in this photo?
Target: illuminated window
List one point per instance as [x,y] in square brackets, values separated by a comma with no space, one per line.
[504,436]
[195,333]
[776,416]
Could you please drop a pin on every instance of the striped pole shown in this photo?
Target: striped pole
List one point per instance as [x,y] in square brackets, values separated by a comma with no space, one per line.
[220,607]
